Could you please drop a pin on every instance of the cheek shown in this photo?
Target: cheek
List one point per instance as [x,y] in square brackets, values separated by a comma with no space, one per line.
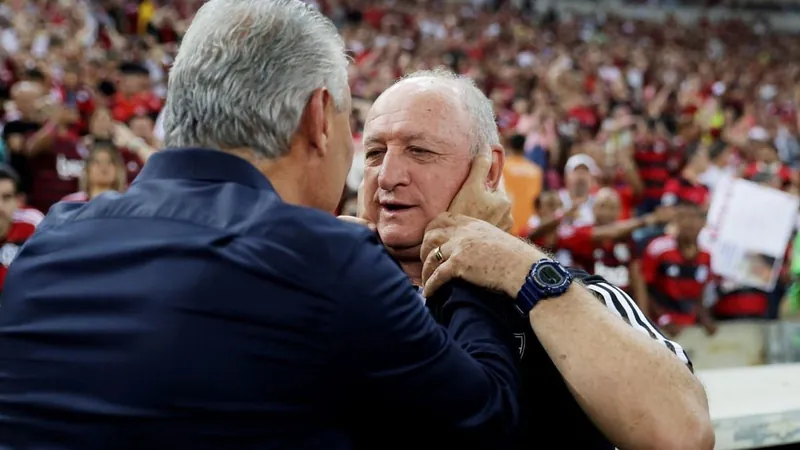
[438,191]
[367,193]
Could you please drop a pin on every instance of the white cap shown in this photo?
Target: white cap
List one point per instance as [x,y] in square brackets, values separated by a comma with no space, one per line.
[581,159]
[758,134]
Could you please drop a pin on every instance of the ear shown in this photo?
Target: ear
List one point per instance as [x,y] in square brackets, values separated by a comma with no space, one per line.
[498,156]
[315,122]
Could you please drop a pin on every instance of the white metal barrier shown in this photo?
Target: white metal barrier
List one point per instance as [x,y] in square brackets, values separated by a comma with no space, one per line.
[754,407]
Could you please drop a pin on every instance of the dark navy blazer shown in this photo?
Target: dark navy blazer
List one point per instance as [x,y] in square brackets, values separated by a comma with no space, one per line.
[199,311]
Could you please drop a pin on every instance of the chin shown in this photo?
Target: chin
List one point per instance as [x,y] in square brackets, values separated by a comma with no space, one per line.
[399,240]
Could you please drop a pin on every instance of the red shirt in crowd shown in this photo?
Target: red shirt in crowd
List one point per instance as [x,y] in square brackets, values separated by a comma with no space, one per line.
[55,172]
[652,159]
[675,283]
[23,224]
[610,259]
[680,190]
[124,108]
[736,301]
[133,163]
[779,170]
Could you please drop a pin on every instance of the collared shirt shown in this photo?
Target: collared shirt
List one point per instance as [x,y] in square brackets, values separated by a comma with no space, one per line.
[199,311]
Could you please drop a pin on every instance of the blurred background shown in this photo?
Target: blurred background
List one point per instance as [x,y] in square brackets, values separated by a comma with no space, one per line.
[668,128]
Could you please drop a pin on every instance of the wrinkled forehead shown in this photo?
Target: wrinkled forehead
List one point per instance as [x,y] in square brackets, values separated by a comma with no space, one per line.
[422,113]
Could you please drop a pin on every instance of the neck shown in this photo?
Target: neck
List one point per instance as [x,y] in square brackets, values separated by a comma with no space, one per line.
[687,246]
[282,175]
[94,191]
[414,271]
[690,174]
[409,261]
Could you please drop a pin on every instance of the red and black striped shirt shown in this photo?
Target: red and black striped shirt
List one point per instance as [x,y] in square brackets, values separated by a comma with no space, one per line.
[675,283]
[682,191]
[652,160]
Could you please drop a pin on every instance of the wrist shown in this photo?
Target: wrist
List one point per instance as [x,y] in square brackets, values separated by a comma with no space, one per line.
[521,268]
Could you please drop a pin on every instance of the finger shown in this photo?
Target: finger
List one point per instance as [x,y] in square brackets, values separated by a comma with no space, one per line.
[443,220]
[432,262]
[473,186]
[438,278]
[433,239]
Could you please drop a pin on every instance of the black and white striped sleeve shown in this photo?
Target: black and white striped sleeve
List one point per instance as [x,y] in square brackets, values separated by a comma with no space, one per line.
[621,304]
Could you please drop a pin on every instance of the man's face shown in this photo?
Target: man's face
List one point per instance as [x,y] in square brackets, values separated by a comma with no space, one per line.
[70,80]
[8,203]
[142,127]
[101,170]
[766,154]
[550,204]
[689,220]
[417,149]
[607,208]
[27,97]
[579,181]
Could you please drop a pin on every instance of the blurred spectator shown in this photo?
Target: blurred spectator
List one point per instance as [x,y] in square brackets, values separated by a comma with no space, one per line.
[605,247]
[766,163]
[676,271]
[687,187]
[134,96]
[16,224]
[523,183]
[580,181]
[719,155]
[104,171]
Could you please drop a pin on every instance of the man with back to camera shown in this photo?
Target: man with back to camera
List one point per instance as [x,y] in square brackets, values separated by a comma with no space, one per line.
[583,366]
[214,306]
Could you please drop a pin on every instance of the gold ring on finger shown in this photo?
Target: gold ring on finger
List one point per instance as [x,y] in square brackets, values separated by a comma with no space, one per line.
[438,254]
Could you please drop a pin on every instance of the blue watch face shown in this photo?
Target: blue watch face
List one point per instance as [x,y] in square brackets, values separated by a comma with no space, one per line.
[548,275]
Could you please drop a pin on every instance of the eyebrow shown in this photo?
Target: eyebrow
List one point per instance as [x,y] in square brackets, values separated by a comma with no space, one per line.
[406,139]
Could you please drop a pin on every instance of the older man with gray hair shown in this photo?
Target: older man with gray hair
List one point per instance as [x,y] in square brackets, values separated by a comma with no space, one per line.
[595,372]
[218,303]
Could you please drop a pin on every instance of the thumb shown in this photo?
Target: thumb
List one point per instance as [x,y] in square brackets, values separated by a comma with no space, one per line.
[473,185]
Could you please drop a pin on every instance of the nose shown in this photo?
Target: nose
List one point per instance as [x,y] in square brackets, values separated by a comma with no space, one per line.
[394,171]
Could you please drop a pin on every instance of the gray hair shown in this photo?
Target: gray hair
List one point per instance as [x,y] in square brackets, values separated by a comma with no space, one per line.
[245,72]
[475,102]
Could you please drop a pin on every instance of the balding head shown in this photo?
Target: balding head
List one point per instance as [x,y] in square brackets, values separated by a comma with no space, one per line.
[483,128]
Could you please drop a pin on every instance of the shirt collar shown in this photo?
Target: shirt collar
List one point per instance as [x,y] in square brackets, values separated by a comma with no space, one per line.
[202,164]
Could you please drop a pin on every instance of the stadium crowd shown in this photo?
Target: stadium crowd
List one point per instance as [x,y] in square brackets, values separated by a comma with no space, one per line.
[617,131]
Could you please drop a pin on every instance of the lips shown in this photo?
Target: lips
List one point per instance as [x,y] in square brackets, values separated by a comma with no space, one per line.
[393,207]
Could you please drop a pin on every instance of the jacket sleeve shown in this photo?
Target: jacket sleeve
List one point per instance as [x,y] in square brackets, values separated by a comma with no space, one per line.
[462,375]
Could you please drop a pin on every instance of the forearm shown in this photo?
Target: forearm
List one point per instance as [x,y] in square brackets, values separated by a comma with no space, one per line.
[631,386]
[545,227]
[41,139]
[618,230]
